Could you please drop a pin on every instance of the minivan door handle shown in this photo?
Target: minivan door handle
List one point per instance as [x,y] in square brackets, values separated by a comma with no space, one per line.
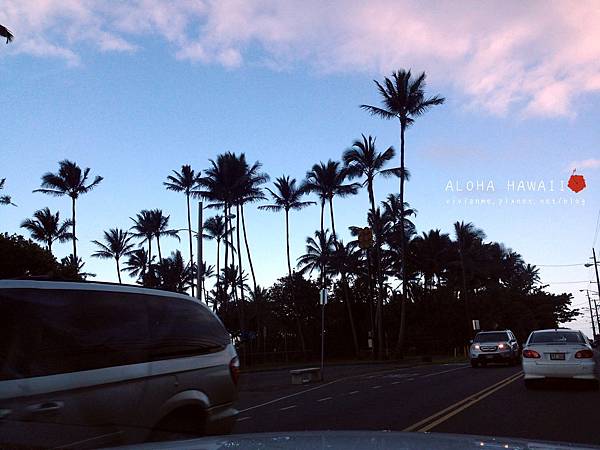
[45,407]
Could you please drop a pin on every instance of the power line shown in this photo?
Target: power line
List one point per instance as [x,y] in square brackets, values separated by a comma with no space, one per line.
[558,265]
[566,282]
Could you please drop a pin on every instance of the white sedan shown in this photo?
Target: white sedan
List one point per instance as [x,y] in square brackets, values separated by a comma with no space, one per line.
[558,353]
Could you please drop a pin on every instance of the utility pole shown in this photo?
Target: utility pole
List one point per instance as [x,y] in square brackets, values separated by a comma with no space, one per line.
[591,313]
[597,316]
[200,262]
[596,268]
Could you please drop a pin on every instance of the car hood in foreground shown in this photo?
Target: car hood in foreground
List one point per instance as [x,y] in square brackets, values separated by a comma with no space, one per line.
[352,440]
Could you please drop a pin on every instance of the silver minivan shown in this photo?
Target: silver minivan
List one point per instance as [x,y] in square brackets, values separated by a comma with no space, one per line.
[84,365]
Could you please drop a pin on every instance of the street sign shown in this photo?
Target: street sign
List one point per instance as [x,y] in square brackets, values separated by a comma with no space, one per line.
[476,325]
[323,296]
[365,238]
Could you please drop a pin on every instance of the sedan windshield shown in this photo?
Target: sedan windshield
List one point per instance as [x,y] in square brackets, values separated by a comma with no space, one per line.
[491,337]
[556,337]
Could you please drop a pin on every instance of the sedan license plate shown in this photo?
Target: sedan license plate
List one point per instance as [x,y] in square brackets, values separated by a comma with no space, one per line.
[557,356]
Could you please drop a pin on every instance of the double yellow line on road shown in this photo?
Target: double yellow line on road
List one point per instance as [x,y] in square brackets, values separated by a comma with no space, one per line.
[445,414]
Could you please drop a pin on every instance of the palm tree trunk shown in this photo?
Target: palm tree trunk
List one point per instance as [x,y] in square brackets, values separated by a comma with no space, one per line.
[287,241]
[464,293]
[248,248]
[74,235]
[350,317]
[402,330]
[149,251]
[239,253]
[378,277]
[159,252]
[118,270]
[291,278]
[323,235]
[189,218]
[218,266]
[332,220]
[226,218]
[49,245]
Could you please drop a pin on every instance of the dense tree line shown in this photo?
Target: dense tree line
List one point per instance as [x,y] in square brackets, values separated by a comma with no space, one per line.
[401,291]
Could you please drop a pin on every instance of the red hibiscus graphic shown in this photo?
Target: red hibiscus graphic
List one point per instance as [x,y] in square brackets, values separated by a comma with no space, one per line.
[576,182]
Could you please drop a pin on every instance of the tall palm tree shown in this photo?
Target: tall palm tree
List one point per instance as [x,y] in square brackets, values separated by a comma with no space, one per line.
[5,32]
[286,197]
[327,181]
[188,182]
[143,227]
[403,98]
[46,227]
[468,237]
[364,160]
[72,181]
[137,263]
[432,254]
[250,191]
[5,199]
[217,186]
[117,243]
[160,228]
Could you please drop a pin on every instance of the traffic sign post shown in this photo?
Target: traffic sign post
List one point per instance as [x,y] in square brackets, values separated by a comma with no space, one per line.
[476,325]
[323,301]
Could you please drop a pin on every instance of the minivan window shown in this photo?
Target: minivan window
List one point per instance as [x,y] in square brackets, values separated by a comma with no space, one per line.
[491,337]
[46,332]
[556,337]
[182,328]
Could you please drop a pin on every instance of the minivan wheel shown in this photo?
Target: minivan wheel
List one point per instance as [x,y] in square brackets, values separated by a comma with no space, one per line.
[183,423]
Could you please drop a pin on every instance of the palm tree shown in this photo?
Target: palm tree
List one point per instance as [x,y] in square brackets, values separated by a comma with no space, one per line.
[160,228]
[143,227]
[287,197]
[188,182]
[71,181]
[214,229]
[46,227]
[218,187]
[344,260]
[403,99]
[364,160]
[5,32]
[173,273]
[5,199]
[116,244]
[249,191]
[318,254]
[467,238]
[327,181]
[432,253]
[137,263]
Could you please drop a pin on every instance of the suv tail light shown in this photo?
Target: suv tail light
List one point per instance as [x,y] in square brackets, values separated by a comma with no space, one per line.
[234,369]
[584,354]
[530,354]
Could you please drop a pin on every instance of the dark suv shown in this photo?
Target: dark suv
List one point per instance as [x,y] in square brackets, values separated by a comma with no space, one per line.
[494,346]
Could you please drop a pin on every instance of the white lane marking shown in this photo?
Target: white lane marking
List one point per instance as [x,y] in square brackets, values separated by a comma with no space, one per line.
[324,399]
[287,407]
[443,371]
[353,392]
[397,382]
[250,408]
[375,387]
[411,379]
[241,419]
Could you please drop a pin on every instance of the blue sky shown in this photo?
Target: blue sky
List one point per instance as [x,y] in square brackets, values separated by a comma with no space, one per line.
[135,105]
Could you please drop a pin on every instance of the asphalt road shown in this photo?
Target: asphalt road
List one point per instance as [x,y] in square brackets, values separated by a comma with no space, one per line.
[450,398]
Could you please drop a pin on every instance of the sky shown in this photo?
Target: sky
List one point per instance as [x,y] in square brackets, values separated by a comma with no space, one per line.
[135,89]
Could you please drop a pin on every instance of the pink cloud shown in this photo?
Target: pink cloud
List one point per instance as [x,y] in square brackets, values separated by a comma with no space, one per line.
[533,57]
